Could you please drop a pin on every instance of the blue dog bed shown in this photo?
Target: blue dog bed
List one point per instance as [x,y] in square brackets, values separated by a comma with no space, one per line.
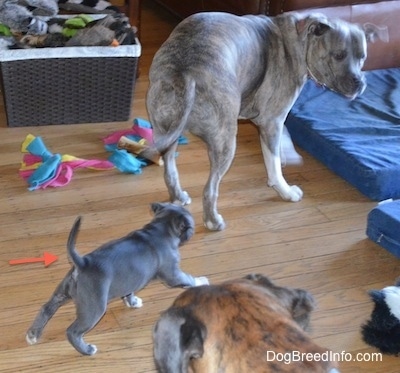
[360,139]
[383,225]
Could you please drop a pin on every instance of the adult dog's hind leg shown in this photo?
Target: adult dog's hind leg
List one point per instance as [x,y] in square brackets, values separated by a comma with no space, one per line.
[169,103]
[171,177]
[221,150]
[60,296]
[270,138]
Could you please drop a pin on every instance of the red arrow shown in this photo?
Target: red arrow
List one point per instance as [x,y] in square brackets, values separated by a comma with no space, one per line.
[47,259]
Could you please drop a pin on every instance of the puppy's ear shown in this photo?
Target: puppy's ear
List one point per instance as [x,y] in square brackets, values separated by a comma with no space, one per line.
[183,227]
[302,305]
[157,206]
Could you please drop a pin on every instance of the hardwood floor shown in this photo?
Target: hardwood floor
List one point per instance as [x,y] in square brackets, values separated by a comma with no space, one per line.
[318,244]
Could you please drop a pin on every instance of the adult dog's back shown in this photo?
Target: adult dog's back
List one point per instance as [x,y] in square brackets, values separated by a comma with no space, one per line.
[246,325]
[198,66]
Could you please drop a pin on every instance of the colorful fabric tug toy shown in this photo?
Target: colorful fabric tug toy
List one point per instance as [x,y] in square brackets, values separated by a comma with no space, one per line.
[130,151]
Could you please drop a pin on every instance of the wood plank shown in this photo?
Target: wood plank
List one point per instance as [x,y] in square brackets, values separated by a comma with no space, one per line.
[318,243]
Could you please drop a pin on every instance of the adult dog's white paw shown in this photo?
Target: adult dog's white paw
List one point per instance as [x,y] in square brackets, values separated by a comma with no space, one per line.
[296,194]
[217,224]
[30,339]
[291,193]
[183,199]
[198,281]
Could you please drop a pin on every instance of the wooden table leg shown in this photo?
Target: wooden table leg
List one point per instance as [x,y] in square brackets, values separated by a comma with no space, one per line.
[134,10]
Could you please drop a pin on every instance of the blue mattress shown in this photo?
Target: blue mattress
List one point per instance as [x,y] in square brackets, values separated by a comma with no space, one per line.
[360,139]
[383,224]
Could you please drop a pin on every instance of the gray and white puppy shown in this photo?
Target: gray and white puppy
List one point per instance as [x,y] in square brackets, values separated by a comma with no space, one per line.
[118,269]
[216,67]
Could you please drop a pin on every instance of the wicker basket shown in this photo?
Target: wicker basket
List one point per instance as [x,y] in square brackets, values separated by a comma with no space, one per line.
[67,85]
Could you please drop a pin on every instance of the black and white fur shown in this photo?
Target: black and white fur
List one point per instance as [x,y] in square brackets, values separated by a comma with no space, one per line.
[382,330]
[31,16]
[118,269]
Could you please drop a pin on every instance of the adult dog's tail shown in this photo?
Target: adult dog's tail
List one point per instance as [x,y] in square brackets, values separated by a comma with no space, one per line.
[169,103]
[78,261]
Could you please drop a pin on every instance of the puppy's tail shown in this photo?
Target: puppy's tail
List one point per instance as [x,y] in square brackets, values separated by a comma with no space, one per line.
[170,103]
[78,261]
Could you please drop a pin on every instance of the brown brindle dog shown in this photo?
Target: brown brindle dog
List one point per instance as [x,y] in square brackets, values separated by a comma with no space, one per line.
[240,326]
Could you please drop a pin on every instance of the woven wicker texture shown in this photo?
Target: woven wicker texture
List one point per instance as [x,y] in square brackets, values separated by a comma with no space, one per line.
[68,90]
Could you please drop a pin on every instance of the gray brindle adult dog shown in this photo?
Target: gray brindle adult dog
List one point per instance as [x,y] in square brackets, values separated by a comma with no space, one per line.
[118,269]
[217,67]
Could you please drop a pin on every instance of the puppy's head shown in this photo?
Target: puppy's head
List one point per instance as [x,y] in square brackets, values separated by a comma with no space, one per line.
[300,303]
[179,220]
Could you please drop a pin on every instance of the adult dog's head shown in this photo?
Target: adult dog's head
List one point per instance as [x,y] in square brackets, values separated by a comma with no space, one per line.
[336,51]
[238,326]
[179,220]
[298,302]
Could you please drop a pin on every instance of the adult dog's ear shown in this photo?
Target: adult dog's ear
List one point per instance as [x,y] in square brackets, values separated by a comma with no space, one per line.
[193,334]
[260,279]
[315,24]
[178,337]
[373,32]
[318,28]
[302,305]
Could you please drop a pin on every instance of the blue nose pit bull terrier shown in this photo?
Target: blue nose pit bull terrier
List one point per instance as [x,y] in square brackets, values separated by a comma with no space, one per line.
[217,67]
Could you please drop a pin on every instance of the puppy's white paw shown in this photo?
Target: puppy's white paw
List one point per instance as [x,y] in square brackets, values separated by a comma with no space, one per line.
[132,301]
[198,281]
[91,350]
[138,303]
